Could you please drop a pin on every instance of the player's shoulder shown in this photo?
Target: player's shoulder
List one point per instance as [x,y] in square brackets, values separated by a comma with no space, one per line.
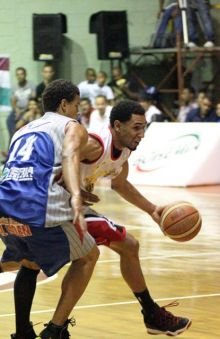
[95,141]
[73,127]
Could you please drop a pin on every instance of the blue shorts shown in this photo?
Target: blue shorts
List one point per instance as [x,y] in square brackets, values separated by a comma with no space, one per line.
[50,248]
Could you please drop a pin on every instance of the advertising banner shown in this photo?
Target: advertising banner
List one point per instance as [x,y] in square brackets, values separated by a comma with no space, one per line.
[177,154]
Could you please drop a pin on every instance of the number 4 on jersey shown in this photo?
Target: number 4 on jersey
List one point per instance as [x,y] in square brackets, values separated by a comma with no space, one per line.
[25,150]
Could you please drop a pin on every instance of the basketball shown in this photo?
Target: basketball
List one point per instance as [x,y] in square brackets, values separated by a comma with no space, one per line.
[181,221]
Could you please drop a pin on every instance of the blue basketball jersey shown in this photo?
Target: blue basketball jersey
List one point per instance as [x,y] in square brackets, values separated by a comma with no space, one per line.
[29,188]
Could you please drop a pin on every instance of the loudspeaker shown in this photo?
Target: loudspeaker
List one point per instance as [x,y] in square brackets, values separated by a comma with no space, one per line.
[112,34]
[47,35]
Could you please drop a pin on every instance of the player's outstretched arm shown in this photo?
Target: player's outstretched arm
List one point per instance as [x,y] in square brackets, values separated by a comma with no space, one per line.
[75,138]
[123,187]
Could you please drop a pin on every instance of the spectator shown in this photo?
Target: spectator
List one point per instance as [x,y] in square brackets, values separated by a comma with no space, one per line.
[33,112]
[204,113]
[217,110]
[188,102]
[100,116]
[168,10]
[86,86]
[152,112]
[198,11]
[201,95]
[101,88]
[86,109]
[48,74]
[21,93]
[121,86]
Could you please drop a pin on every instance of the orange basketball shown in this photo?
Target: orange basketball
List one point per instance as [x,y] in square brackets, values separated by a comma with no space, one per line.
[181,221]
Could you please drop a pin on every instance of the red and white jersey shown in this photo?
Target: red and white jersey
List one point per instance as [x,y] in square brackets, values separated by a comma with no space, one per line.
[106,165]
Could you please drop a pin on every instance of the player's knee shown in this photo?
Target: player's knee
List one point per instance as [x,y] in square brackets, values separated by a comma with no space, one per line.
[93,255]
[134,245]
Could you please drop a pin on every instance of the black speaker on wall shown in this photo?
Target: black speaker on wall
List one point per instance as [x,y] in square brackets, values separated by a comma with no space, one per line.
[112,34]
[47,35]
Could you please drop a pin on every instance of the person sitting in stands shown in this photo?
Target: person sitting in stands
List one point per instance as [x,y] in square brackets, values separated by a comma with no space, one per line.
[188,103]
[101,88]
[86,109]
[86,86]
[100,116]
[33,112]
[121,86]
[204,113]
[148,100]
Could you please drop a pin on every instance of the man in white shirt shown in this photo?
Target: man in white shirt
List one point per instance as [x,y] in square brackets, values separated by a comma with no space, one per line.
[100,116]
[86,86]
[100,88]
[152,113]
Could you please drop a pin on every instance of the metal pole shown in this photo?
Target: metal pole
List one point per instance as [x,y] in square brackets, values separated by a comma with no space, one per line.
[183,7]
[179,67]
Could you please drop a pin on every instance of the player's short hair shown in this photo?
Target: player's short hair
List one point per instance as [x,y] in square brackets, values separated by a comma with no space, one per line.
[124,110]
[55,92]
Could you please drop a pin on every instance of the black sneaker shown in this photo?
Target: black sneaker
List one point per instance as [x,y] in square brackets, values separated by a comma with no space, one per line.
[163,322]
[30,334]
[57,332]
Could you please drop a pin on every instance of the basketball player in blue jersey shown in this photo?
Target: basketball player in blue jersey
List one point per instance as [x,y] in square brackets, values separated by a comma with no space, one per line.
[41,222]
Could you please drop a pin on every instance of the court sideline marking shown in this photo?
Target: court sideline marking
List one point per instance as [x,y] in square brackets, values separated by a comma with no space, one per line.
[199,296]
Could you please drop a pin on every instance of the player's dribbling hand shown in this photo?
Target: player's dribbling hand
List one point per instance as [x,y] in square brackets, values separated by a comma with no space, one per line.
[89,198]
[156,215]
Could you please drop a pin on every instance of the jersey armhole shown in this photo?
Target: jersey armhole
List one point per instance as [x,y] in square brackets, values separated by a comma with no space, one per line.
[100,141]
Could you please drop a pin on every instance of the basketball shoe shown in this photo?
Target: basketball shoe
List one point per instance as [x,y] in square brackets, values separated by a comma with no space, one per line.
[52,331]
[160,321]
[30,334]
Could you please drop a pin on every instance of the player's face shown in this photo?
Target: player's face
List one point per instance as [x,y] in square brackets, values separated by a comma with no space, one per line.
[72,107]
[131,132]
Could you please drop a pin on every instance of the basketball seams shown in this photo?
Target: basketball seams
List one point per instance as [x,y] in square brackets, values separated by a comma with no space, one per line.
[190,231]
[182,218]
[171,208]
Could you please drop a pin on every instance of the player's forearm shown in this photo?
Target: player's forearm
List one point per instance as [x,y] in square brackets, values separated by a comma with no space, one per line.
[71,172]
[132,195]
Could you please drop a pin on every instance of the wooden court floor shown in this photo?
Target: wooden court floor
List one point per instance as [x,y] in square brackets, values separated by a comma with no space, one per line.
[187,272]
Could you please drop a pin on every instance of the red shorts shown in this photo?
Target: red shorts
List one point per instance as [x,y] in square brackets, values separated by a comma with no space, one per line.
[103,230]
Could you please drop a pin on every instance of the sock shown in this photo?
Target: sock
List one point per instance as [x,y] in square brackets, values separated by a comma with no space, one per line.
[145,301]
[24,289]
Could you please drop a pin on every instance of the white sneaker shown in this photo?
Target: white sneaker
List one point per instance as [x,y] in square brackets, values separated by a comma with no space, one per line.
[209,44]
[191,44]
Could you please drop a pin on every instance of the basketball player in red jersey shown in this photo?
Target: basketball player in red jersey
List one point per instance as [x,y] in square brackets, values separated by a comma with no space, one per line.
[106,155]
